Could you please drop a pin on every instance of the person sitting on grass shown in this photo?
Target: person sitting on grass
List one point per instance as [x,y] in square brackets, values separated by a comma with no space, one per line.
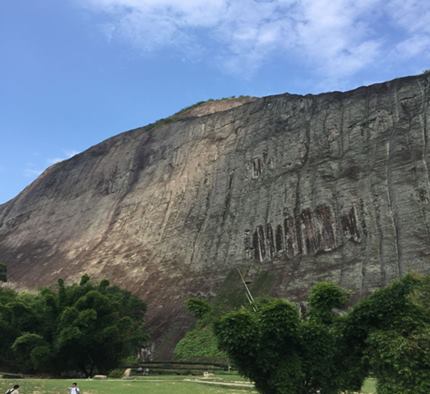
[74,389]
[13,390]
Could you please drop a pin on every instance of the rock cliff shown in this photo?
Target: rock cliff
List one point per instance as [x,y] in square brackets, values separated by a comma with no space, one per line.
[291,189]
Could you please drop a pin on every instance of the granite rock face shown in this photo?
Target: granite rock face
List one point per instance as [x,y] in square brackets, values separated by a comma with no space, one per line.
[307,188]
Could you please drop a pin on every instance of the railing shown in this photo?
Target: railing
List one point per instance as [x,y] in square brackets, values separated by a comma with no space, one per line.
[176,367]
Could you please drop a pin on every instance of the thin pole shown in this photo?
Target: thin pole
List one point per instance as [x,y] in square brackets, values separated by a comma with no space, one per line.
[249,296]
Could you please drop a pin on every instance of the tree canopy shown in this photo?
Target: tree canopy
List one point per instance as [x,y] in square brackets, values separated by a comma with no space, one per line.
[84,327]
[329,348]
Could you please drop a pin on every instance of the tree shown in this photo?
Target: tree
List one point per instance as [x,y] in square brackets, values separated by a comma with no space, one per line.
[97,325]
[32,352]
[275,349]
[399,355]
[84,327]
[8,331]
[324,351]
[401,363]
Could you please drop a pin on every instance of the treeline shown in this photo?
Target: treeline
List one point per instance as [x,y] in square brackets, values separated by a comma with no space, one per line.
[86,327]
[327,346]
[331,348]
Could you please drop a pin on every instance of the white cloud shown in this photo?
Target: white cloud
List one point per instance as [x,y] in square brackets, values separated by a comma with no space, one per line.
[337,38]
[417,45]
[413,17]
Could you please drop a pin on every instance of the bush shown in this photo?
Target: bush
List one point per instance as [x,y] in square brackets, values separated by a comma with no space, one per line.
[200,344]
[198,307]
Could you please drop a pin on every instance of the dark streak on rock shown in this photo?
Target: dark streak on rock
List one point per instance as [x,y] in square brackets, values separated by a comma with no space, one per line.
[279,238]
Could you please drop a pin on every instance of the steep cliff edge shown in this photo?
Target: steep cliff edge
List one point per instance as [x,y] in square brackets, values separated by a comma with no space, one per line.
[304,188]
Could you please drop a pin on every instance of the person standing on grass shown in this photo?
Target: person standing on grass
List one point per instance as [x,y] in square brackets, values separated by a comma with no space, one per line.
[13,390]
[74,389]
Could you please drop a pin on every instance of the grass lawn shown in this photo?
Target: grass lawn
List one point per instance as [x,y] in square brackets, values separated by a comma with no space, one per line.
[150,384]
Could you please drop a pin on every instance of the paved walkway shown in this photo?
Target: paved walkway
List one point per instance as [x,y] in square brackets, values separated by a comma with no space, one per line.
[222,384]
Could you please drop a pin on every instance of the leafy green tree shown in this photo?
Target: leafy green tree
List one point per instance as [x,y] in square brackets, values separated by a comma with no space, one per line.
[265,346]
[327,350]
[399,353]
[401,363]
[84,327]
[97,326]
[32,352]
[8,331]
[392,309]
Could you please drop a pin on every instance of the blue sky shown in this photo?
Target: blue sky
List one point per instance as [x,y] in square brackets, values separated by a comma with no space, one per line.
[75,72]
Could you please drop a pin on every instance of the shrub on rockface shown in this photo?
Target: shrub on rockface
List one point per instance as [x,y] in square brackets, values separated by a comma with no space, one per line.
[326,352]
[200,343]
[198,307]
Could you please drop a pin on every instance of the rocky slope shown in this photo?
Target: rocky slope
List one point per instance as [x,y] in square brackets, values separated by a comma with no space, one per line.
[291,189]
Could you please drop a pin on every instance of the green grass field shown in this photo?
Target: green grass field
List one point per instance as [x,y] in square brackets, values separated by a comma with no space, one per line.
[152,385]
